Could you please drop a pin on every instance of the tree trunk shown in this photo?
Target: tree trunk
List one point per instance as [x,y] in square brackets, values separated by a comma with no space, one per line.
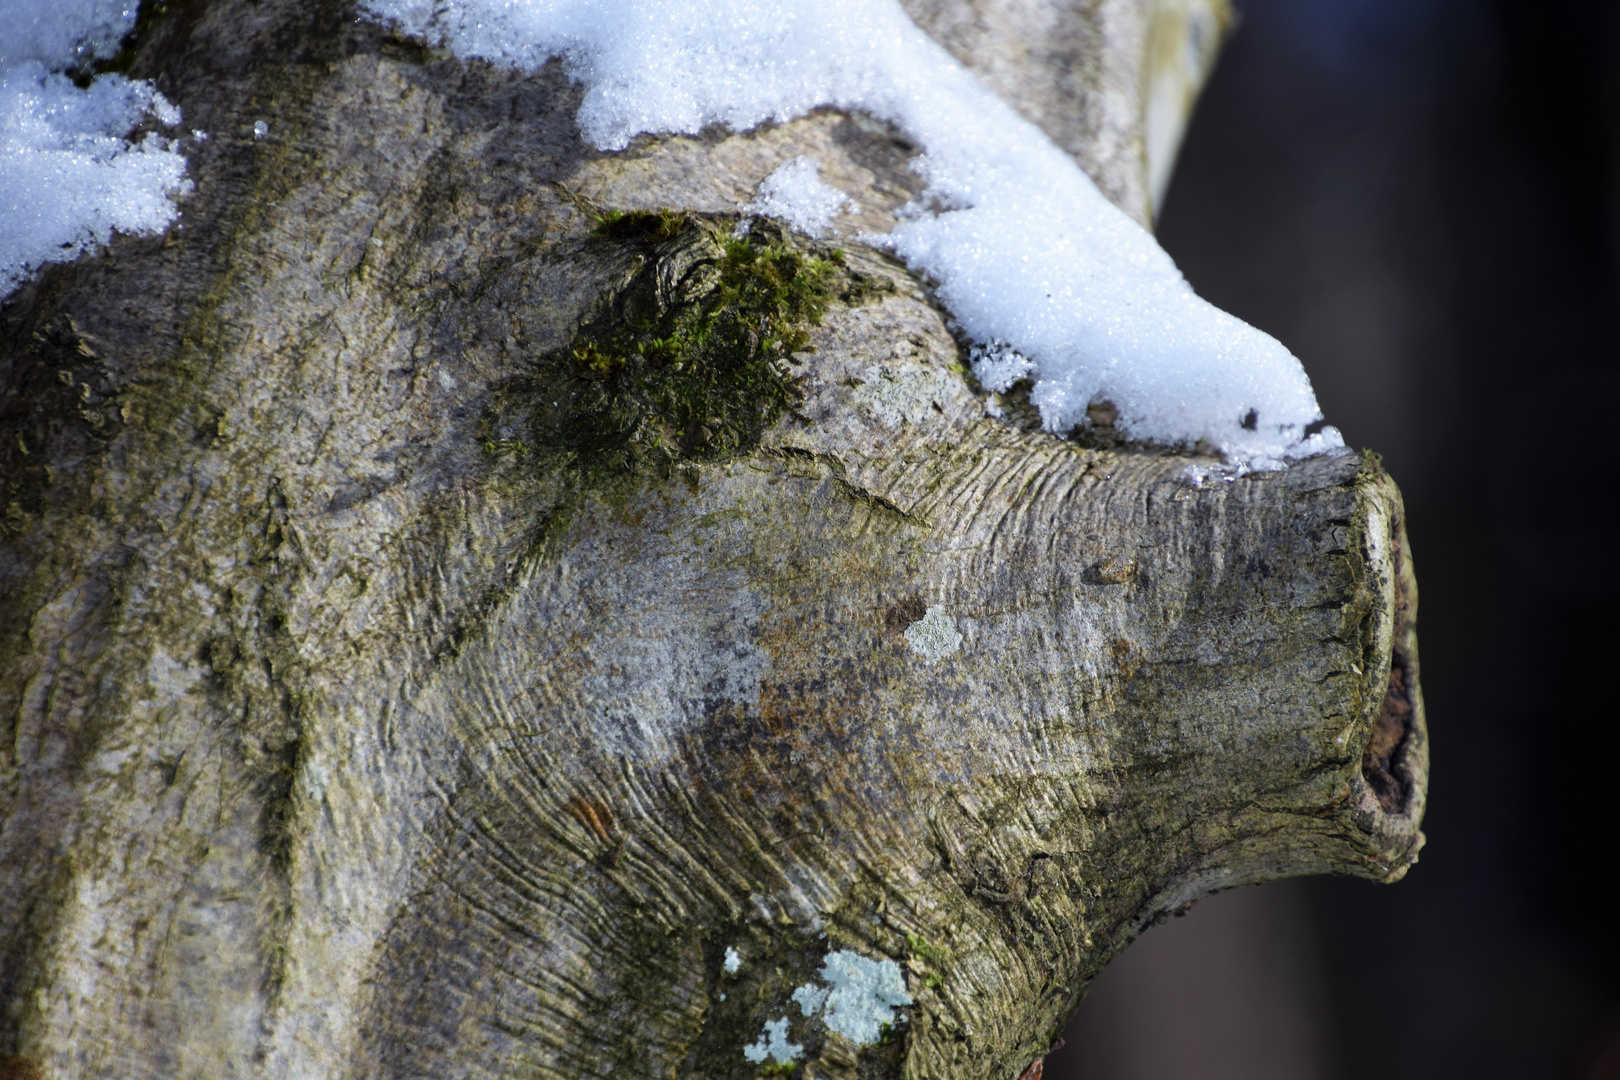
[400,681]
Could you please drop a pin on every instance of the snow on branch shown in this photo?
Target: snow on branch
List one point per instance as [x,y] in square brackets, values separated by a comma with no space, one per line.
[69,176]
[1025,251]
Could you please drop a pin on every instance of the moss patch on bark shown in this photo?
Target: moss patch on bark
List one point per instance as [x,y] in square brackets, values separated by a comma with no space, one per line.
[689,358]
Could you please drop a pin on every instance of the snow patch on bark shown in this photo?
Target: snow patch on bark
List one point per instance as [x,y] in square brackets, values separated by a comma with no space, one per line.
[69,176]
[795,194]
[1024,249]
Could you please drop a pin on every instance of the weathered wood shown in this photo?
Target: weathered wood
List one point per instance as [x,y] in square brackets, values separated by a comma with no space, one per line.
[360,724]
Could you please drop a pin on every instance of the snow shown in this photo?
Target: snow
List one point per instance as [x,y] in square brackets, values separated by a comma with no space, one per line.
[794,193]
[63,34]
[1027,254]
[69,177]
[733,960]
[997,365]
[773,1042]
[1033,262]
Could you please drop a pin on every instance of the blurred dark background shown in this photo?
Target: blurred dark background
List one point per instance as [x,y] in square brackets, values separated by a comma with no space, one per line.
[1421,199]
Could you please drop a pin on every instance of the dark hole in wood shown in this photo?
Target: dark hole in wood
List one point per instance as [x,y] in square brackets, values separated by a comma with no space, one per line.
[903,614]
[1389,735]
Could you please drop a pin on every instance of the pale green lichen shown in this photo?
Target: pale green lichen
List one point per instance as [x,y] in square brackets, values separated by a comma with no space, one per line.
[859,998]
[773,1042]
[934,636]
[901,394]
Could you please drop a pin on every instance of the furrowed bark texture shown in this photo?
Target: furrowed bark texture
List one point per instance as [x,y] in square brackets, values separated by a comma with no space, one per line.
[358,723]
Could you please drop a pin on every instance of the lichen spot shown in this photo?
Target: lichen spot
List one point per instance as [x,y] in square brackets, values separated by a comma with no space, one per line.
[773,1042]
[733,960]
[810,998]
[934,636]
[859,998]
[903,393]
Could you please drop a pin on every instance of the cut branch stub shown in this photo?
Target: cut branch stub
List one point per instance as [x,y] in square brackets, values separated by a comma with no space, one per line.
[356,729]
[710,730]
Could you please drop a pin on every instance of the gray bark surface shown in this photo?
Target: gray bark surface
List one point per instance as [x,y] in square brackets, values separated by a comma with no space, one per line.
[350,731]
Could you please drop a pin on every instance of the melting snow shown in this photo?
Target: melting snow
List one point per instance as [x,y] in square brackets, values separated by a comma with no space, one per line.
[68,175]
[1027,253]
[794,193]
[1030,258]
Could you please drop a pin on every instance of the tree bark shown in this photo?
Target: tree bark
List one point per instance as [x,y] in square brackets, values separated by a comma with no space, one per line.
[363,721]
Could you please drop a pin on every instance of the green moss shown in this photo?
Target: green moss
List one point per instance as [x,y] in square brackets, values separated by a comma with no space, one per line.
[646,226]
[936,957]
[278,822]
[690,359]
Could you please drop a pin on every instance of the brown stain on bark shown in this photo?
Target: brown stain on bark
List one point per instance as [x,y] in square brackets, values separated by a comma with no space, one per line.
[594,815]
[899,615]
